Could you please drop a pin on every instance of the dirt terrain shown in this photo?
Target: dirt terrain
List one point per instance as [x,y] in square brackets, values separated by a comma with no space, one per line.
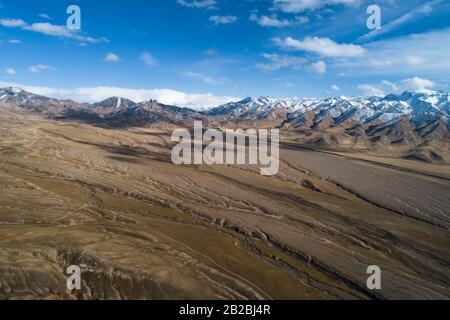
[140,227]
[418,194]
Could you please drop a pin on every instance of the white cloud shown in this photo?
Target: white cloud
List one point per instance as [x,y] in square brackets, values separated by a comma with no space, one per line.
[391,86]
[271,21]
[223,19]
[203,77]
[41,67]
[208,4]
[49,29]
[44,16]
[12,23]
[10,71]
[335,87]
[295,6]
[148,59]
[280,61]
[14,41]
[319,67]
[198,101]
[413,84]
[369,90]
[111,57]
[418,84]
[323,46]
[60,31]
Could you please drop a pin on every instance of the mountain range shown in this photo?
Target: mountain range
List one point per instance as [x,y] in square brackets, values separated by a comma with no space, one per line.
[413,125]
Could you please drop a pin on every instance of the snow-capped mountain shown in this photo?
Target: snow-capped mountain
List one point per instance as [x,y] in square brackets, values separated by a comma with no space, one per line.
[413,124]
[114,111]
[36,103]
[112,104]
[20,97]
[256,108]
[149,112]
[419,107]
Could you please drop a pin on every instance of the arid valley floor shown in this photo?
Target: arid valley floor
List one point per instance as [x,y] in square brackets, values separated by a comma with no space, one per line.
[111,201]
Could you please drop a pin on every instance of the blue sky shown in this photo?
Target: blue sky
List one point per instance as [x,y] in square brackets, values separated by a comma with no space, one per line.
[201,53]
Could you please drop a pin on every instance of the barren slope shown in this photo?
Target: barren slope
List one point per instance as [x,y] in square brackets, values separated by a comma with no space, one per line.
[141,227]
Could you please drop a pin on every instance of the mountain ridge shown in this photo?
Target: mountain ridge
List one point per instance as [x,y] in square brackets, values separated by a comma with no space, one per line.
[414,125]
[438,101]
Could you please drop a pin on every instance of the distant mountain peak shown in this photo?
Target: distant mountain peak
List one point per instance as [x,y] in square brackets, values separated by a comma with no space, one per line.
[419,107]
[112,104]
[11,90]
[414,105]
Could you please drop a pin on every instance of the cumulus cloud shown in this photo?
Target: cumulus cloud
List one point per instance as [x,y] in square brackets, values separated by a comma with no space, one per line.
[10,71]
[270,21]
[369,90]
[148,59]
[295,6]
[391,86]
[12,23]
[273,21]
[323,46]
[40,68]
[223,19]
[60,31]
[319,67]
[197,101]
[335,87]
[111,57]
[418,84]
[208,4]
[413,84]
[49,29]
[280,61]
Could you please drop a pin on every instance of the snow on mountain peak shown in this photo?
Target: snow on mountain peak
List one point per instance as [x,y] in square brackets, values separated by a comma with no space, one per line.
[415,105]
[10,90]
[418,106]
